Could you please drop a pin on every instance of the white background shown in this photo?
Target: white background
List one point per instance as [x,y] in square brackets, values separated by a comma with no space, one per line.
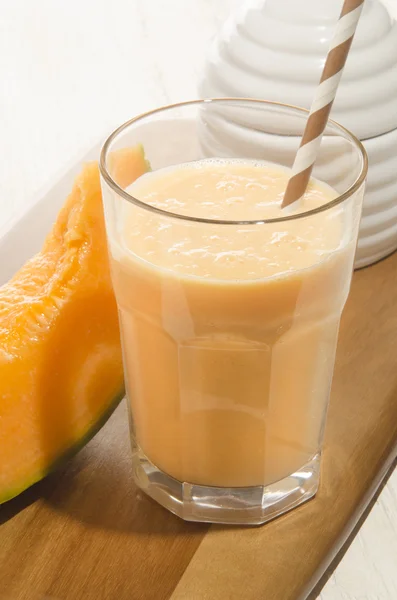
[71,70]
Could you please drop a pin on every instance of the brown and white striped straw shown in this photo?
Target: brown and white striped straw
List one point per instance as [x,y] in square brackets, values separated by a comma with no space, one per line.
[323,99]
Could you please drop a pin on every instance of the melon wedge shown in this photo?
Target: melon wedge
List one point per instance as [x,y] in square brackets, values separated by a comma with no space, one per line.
[61,371]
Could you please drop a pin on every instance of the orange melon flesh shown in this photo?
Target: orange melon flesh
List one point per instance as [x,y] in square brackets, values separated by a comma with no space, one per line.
[60,357]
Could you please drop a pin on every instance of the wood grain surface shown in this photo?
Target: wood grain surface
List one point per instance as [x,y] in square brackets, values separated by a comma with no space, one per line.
[87,532]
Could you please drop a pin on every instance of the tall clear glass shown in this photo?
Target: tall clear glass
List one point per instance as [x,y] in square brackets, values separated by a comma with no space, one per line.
[228,379]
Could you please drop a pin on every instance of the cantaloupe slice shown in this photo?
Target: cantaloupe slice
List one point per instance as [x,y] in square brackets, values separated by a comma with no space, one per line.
[60,359]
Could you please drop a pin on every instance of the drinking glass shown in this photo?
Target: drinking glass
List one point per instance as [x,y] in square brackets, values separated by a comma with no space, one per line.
[228,380]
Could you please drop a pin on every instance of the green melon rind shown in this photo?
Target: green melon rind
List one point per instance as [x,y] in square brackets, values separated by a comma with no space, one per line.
[68,453]
[147,163]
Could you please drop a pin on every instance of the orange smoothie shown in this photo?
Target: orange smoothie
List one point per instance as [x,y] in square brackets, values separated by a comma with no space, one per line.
[229,330]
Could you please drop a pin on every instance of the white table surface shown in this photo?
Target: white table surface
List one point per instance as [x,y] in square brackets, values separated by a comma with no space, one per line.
[71,70]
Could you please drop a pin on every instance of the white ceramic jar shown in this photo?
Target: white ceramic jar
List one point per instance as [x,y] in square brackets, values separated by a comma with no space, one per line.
[275,49]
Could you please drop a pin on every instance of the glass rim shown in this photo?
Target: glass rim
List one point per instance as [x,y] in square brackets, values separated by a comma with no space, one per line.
[230,100]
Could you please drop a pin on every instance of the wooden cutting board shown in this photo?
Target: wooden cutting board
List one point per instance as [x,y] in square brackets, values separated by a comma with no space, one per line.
[86,533]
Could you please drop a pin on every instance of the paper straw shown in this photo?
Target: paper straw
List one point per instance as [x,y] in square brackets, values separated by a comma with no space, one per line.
[323,100]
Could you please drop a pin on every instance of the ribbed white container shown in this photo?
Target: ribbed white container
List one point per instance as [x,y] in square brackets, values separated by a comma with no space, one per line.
[275,50]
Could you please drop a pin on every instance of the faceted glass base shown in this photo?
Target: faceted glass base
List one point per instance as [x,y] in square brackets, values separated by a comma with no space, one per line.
[233,506]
